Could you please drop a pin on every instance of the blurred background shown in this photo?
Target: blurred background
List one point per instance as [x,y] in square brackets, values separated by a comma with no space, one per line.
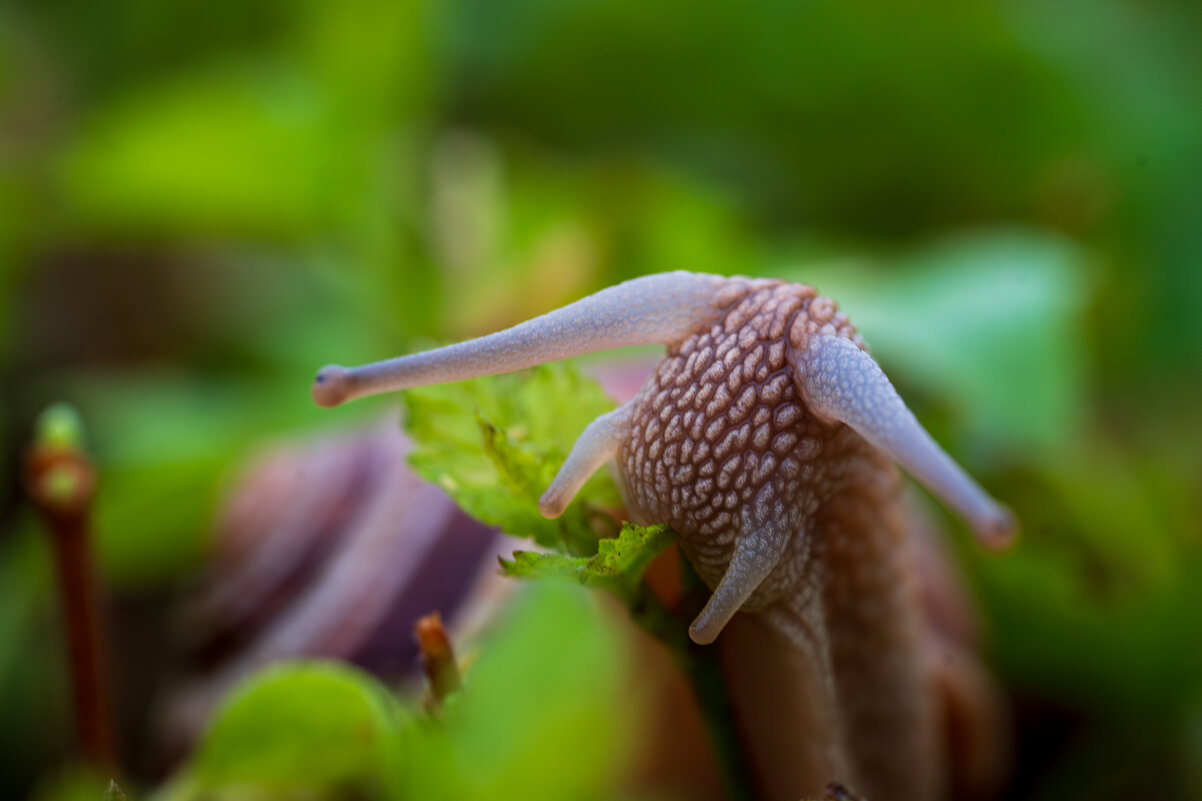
[202,202]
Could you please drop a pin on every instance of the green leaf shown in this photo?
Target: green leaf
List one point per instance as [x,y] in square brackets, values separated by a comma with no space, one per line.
[320,728]
[495,444]
[988,324]
[617,567]
[545,712]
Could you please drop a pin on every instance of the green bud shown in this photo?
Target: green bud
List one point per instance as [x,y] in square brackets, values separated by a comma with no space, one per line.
[60,428]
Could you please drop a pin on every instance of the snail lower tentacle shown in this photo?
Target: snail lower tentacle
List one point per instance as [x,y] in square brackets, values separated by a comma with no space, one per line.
[597,445]
[765,535]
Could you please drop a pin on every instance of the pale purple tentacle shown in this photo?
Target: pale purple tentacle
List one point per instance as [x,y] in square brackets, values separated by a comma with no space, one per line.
[654,309]
[764,539]
[842,382]
[597,445]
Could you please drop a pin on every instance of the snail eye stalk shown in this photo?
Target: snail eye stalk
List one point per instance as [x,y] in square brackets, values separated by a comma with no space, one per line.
[841,382]
[652,310]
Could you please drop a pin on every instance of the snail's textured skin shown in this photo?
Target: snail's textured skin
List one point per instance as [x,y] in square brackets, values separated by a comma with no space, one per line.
[766,438]
[719,428]
[719,434]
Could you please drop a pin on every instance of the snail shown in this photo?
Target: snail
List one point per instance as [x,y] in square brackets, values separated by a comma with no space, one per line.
[766,438]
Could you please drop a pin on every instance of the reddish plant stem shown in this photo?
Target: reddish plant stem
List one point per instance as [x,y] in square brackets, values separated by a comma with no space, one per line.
[60,485]
[85,646]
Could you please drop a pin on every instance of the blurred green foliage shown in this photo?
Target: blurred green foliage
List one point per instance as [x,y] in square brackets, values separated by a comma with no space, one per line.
[299,729]
[548,679]
[200,203]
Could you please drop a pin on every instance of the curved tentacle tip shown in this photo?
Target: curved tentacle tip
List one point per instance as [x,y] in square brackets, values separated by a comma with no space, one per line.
[999,531]
[551,505]
[332,386]
[702,630]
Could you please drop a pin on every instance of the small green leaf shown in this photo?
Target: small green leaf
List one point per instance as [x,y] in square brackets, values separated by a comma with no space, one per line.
[618,566]
[318,728]
[495,444]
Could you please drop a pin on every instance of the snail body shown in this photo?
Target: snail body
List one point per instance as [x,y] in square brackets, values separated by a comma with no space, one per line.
[766,438]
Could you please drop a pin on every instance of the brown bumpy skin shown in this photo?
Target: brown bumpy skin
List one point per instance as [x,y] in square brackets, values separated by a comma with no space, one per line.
[720,423]
[718,435]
